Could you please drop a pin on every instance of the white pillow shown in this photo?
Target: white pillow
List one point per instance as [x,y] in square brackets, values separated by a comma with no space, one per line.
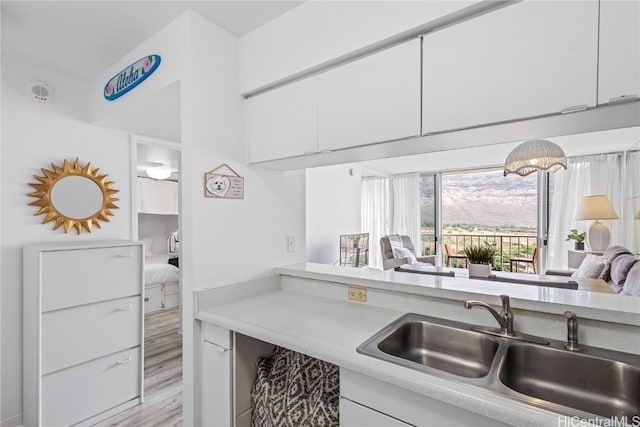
[399,252]
[592,267]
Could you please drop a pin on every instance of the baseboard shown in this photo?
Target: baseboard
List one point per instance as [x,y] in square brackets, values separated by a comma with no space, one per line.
[15,421]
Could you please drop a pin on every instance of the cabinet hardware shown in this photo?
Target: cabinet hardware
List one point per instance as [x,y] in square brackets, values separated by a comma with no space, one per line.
[125,307]
[124,361]
[574,109]
[125,254]
[217,347]
[623,98]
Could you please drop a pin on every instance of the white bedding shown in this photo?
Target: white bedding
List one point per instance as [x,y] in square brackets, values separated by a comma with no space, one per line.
[158,270]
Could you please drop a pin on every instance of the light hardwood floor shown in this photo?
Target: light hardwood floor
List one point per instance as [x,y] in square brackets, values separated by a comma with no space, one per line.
[162,404]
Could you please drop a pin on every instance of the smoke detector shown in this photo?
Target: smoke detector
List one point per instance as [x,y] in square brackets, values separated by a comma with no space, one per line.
[39,92]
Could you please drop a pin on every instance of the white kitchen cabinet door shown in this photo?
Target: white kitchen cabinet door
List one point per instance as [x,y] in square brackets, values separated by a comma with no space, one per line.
[619,62]
[373,99]
[355,415]
[216,400]
[527,59]
[402,404]
[283,122]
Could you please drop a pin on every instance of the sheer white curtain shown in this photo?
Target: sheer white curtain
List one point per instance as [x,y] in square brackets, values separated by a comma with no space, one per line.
[406,208]
[632,207]
[374,212]
[587,175]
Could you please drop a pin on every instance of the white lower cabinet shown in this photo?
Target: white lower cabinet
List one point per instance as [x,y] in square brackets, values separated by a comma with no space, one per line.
[82,331]
[400,405]
[355,415]
[216,379]
[66,341]
[228,371]
[75,394]
[160,296]
[152,298]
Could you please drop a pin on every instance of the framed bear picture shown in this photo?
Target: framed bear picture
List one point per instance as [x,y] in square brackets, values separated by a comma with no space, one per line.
[223,186]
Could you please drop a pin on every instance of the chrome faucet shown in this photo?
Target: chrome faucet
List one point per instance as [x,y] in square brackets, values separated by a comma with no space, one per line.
[504,318]
[572,331]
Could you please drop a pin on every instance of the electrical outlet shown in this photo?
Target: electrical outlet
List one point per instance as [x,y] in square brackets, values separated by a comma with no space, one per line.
[291,244]
[357,294]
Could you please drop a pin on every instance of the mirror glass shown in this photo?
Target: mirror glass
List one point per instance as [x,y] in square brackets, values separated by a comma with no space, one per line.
[73,196]
[76,197]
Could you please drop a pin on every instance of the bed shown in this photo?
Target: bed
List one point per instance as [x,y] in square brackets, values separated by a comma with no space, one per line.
[161,282]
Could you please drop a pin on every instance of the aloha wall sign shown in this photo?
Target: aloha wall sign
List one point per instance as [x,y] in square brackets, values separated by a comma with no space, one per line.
[131,77]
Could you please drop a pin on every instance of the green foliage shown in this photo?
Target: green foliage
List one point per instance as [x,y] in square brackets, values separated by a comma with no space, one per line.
[480,254]
[574,235]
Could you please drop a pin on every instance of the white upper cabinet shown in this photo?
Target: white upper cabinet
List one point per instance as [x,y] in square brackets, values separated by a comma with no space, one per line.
[283,122]
[619,63]
[526,59]
[373,99]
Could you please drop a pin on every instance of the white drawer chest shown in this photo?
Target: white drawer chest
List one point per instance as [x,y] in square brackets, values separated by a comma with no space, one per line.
[83,331]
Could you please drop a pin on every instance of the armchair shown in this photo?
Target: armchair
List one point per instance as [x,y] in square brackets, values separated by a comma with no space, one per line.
[389,259]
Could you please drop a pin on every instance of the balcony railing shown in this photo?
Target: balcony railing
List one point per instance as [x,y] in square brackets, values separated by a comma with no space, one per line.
[507,247]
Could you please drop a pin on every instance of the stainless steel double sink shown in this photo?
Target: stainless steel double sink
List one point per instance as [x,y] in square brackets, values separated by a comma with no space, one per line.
[593,381]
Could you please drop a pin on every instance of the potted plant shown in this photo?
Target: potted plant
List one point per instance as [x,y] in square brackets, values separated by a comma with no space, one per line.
[578,237]
[480,259]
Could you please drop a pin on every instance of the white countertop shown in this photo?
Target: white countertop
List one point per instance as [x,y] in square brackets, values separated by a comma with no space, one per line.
[331,329]
[593,305]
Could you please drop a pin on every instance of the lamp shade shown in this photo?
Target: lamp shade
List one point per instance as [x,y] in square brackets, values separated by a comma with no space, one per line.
[534,155]
[159,172]
[595,207]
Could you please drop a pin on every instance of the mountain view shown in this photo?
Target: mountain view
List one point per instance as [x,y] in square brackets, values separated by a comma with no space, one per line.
[483,202]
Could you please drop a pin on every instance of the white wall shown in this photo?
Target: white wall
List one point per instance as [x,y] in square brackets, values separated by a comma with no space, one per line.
[333,208]
[222,240]
[318,31]
[33,136]
[225,240]
[169,43]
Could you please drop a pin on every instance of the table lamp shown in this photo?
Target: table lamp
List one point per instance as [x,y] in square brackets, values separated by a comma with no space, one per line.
[596,208]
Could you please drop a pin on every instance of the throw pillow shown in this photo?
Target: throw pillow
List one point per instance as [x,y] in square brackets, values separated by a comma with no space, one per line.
[620,267]
[399,252]
[591,267]
[632,282]
[610,254]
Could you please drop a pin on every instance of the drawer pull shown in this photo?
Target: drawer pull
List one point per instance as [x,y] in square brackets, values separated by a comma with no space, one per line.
[217,347]
[124,361]
[125,254]
[125,307]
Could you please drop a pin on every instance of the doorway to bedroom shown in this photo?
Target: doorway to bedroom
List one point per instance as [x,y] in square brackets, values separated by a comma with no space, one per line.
[155,221]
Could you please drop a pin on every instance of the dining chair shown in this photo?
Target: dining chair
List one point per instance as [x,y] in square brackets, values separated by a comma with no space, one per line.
[517,260]
[455,256]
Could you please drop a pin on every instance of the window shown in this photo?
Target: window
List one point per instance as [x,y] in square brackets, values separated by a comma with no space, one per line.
[484,207]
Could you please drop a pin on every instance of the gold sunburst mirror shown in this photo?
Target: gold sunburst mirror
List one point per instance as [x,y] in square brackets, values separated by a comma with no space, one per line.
[73,196]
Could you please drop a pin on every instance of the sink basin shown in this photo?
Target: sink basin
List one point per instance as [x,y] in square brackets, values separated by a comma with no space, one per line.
[422,342]
[589,383]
